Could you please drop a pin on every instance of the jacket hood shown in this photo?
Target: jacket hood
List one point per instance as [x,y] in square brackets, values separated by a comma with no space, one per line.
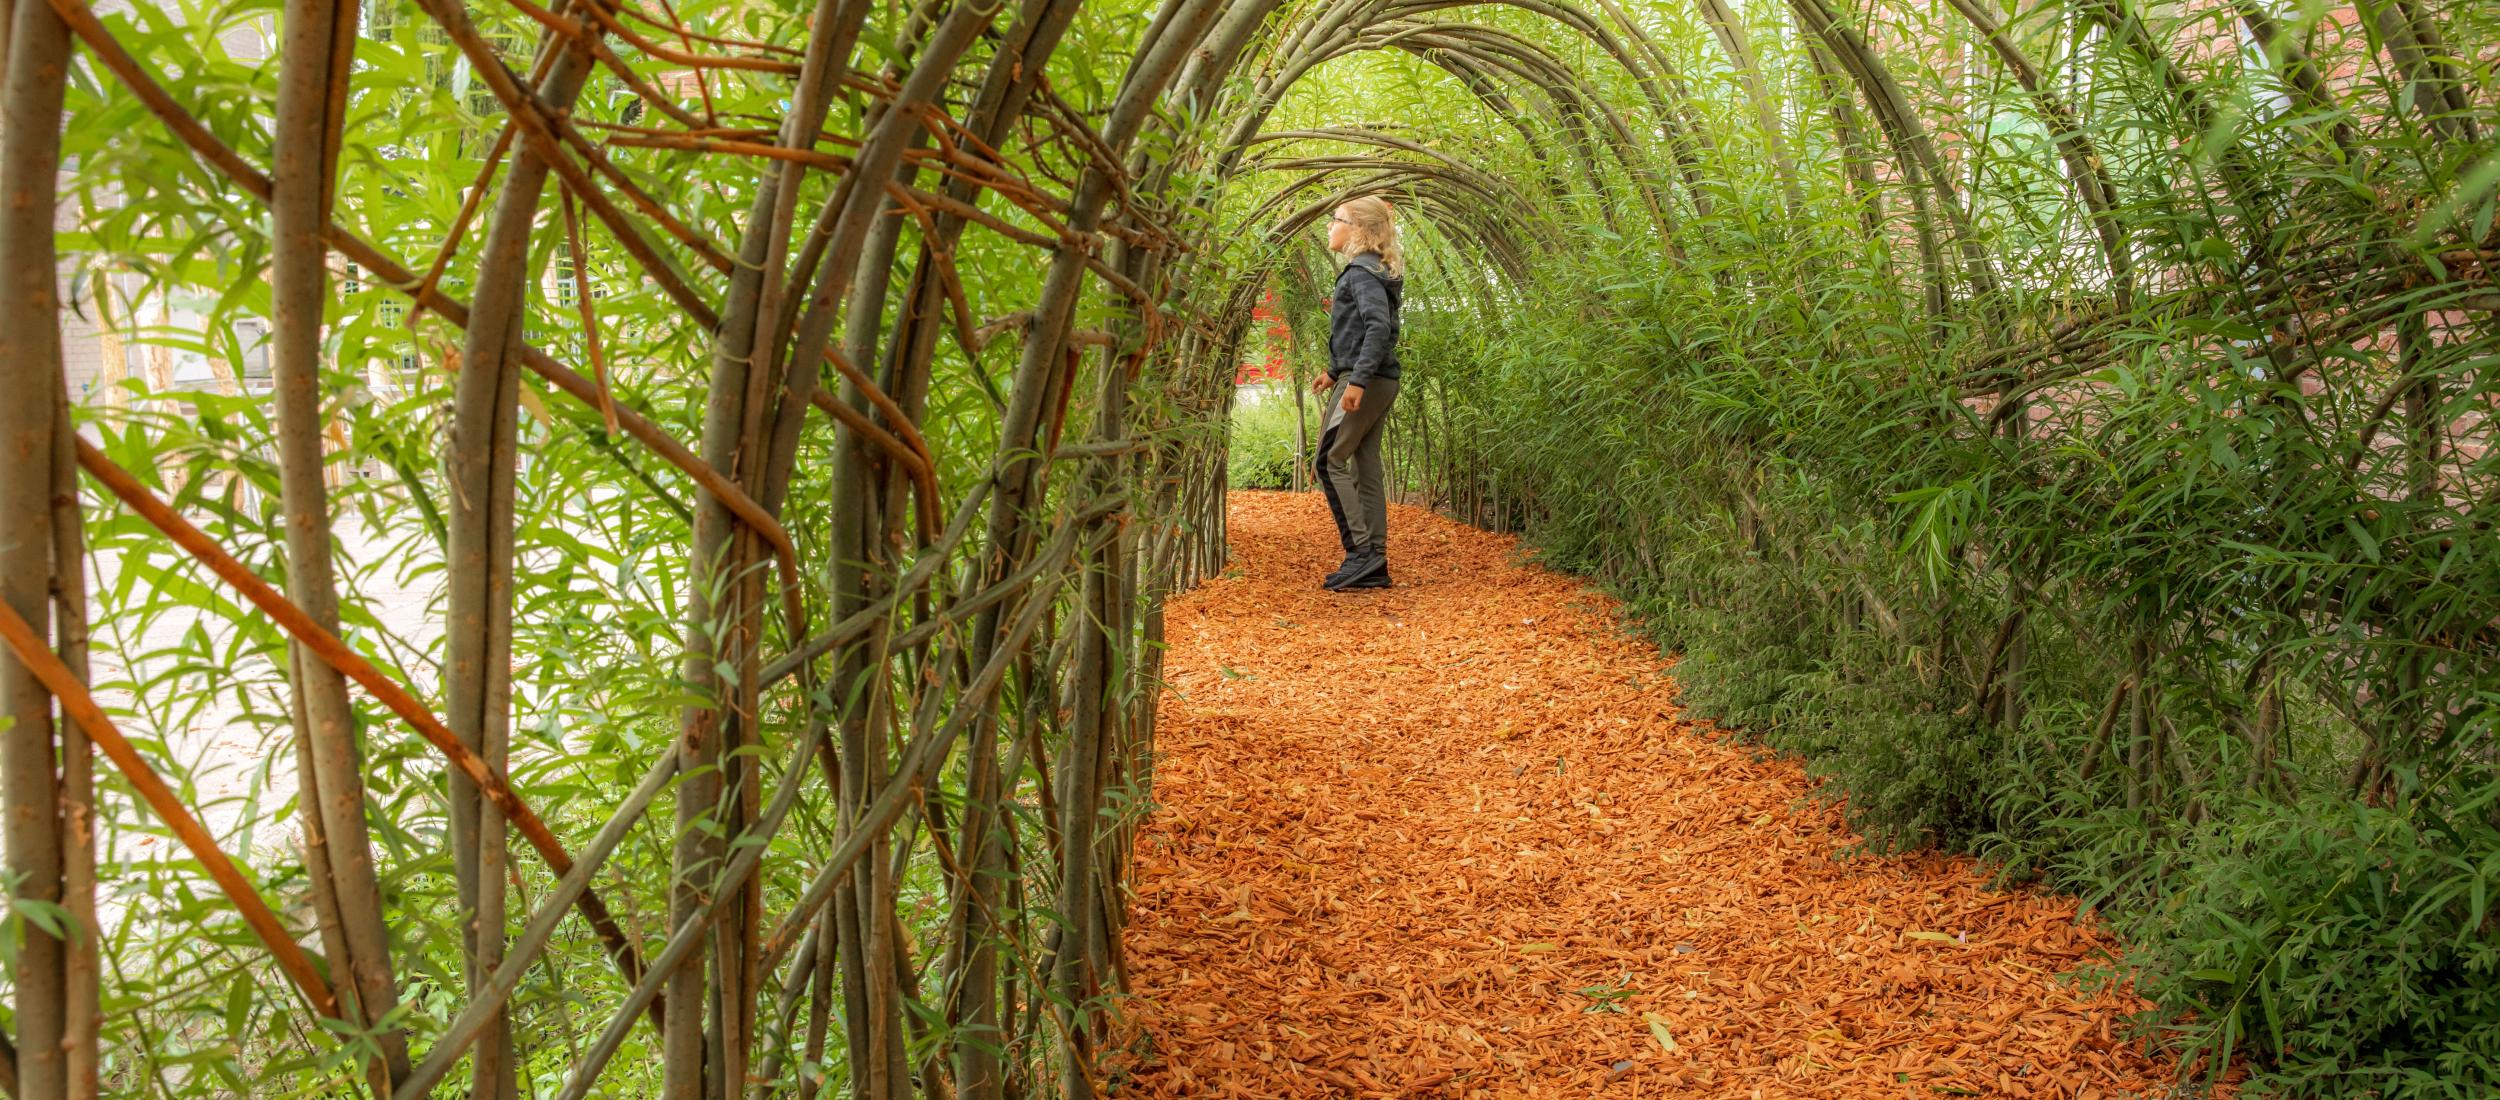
[1370,261]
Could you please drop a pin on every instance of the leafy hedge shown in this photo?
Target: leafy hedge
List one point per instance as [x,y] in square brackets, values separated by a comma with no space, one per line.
[2295,829]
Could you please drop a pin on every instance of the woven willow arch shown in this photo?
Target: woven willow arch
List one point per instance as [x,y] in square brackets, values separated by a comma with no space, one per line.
[912,650]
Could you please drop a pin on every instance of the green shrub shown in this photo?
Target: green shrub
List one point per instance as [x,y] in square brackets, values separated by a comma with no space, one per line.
[1264,437]
[1775,489]
[2346,949]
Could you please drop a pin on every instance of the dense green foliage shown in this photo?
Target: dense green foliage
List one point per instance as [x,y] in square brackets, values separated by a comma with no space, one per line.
[168,261]
[2210,648]
[1266,439]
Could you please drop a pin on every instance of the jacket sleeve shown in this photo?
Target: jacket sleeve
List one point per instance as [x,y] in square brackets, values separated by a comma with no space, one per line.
[1371,307]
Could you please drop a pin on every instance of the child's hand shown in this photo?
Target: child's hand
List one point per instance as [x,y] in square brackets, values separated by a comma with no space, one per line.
[1353,398]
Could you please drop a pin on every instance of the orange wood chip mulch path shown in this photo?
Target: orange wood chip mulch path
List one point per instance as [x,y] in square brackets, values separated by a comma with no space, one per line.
[1453,839]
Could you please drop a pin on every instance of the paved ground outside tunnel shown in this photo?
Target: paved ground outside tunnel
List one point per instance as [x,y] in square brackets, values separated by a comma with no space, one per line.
[1455,839]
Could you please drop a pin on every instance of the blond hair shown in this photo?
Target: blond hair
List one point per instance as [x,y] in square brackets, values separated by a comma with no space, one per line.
[1375,230]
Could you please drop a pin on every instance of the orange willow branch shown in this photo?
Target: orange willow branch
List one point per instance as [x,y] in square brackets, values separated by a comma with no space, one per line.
[702,80]
[598,47]
[682,32]
[893,412]
[658,140]
[81,708]
[550,133]
[590,315]
[923,477]
[460,222]
[681,57]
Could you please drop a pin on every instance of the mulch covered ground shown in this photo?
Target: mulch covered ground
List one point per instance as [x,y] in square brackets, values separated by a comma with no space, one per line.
[1454,839]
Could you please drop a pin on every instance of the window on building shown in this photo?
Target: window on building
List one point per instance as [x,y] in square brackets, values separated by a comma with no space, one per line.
[480,98]
[252,336]
[2270,98]
[508,46]
[433,43]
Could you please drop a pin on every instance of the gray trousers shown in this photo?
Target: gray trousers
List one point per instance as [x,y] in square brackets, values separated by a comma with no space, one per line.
[1350,463]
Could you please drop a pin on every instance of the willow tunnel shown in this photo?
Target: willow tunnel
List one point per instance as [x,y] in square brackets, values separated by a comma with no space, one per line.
[2063,423]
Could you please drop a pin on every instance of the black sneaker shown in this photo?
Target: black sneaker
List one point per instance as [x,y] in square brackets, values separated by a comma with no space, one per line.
[1375,579]
[1353,562]
[1360,569]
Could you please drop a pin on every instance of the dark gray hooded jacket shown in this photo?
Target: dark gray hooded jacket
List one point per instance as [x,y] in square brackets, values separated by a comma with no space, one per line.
[1363,322]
